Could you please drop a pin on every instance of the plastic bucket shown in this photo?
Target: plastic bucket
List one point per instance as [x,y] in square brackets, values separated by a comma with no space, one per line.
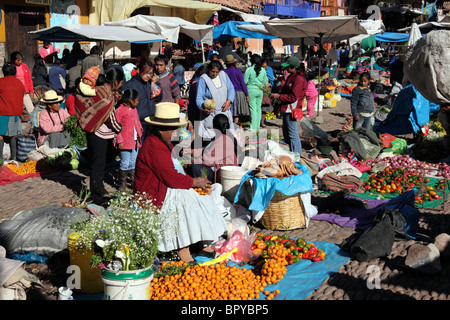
[127,285]
[230,178]
[90,278]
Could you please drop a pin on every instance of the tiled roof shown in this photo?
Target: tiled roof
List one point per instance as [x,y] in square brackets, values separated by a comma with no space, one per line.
[241,5]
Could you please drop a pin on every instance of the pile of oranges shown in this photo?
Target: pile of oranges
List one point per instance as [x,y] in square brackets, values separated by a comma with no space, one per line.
[202,191]
[219,281]
[29,167]
[274,268]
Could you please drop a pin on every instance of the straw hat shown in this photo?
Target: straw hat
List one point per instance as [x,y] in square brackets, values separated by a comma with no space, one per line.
[167,114]
[51,97]
[230,59]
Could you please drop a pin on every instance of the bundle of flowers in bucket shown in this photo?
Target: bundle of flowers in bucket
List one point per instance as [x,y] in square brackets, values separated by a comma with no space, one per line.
[124,246]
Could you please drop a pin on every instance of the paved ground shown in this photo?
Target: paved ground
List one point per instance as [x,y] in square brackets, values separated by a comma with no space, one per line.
[349,283]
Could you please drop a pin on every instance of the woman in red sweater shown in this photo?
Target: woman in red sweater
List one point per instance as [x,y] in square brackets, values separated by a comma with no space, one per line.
[189,217]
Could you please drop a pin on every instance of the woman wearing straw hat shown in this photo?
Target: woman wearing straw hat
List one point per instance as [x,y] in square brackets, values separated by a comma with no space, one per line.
[189,217]
[51,122]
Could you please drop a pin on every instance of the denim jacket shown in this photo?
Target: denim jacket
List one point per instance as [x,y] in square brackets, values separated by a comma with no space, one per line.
[362,101]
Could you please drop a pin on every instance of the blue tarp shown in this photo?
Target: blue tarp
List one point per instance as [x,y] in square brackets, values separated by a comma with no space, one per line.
[265,188]
[409,113]
[304,276]
[392,37]
[229,29]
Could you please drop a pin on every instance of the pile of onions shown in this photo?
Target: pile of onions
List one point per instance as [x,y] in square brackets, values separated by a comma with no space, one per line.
[414,166]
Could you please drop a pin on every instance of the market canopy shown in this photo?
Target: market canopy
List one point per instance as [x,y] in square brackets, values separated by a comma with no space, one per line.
[311,30]
[86,32]
[372,27]
[392,37]
[429,26]
[102,11]
[327,29]
[169,27]
[229,30]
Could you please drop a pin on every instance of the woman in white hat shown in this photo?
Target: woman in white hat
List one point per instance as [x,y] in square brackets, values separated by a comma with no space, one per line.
[51,121]
[190,217]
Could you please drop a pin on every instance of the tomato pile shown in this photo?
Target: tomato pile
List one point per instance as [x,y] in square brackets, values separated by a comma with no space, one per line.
[395,180]
[296,249]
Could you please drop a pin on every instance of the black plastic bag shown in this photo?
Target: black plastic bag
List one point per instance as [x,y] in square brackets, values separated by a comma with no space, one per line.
[377,241]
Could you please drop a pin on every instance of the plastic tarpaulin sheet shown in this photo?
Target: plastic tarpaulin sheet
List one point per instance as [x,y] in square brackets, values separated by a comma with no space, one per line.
[392,37]
[410,112]
[307,274]
[229,29]
[264,189]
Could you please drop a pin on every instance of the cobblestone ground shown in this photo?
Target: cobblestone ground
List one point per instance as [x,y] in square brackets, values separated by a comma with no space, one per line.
[351,282]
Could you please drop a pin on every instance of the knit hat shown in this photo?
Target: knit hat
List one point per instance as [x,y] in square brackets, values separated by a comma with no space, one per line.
[92,74]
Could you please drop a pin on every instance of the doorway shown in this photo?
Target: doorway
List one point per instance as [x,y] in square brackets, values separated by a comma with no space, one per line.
[18,22]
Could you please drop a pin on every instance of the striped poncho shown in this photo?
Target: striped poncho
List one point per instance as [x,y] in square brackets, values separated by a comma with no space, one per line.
[93,112]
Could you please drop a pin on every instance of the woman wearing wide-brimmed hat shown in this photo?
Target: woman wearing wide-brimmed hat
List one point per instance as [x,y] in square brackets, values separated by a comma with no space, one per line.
[190,217]
[51,122]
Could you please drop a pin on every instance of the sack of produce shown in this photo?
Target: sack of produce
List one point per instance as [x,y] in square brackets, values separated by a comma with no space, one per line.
[426,66]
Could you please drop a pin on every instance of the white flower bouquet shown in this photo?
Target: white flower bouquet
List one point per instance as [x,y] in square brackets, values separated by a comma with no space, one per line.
[127,239]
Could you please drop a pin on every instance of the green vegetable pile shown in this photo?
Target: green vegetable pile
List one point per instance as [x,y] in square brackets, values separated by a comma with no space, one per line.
[77,135]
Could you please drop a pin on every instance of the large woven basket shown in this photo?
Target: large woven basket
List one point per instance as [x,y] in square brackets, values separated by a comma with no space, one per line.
[284,213]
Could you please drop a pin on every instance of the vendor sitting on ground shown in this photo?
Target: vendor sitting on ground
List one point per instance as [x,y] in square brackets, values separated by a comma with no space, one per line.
[189,217]
[218,153]
[51,122]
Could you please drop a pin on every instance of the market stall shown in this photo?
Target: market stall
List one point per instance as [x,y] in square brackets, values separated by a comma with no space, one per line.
[312,31]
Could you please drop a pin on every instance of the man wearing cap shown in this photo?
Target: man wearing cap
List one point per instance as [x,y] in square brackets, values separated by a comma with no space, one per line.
[51,122]
[291,97]
[189,217]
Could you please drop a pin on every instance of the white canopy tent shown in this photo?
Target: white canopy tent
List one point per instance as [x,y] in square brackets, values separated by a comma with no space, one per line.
[428,26]
[372,27]
[86,32]
[115,40]
[169,27]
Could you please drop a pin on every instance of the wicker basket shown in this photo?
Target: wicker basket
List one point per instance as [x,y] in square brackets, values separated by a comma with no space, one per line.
[284,213]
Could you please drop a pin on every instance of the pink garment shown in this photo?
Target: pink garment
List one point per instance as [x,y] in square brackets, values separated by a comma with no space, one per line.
[50,122]
[24,75]
[220,152]
[311,97]
[129,119]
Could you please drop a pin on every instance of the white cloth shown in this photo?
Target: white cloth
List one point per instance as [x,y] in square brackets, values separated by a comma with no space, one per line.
[190,217]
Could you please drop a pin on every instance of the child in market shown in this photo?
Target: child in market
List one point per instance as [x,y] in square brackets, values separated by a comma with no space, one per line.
[363,103]
[128,141]
[88,81]
[311,96]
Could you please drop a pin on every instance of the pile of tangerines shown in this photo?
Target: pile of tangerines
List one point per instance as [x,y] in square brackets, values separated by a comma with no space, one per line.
[220,281]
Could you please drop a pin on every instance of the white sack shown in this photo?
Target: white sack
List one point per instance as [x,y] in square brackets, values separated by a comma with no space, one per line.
[427,66]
